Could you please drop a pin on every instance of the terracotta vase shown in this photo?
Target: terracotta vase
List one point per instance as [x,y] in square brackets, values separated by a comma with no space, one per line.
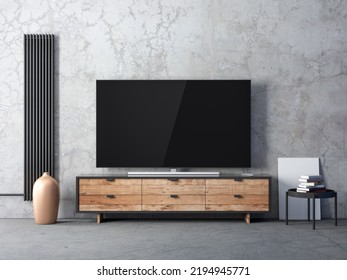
[46,200]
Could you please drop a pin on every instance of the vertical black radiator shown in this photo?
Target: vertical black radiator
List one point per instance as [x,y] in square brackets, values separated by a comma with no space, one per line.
[38,108]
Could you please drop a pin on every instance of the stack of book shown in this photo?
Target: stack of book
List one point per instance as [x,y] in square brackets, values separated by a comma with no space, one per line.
[310,183]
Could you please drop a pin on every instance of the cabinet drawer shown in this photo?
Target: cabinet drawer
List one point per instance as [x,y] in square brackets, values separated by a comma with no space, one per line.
[231,195]
[173,195]
[102,186]
[173,207]
[230,186]
[104,195]
[183,184]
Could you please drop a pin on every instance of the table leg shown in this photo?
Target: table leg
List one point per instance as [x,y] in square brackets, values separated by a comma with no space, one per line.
[308,209]
[314,213]
[286,208]
[335,209]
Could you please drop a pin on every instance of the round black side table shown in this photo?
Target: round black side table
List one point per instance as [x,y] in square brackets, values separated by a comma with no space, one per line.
[324,194]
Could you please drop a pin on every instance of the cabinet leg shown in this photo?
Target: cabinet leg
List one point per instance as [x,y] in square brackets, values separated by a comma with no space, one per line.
[99,218]
[248,218]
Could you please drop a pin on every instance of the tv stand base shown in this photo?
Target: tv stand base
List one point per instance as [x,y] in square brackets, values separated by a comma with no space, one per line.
[100,218]
[178,174]
[124,195]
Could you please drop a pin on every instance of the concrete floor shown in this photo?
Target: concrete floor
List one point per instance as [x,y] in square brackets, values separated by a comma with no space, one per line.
[172,239]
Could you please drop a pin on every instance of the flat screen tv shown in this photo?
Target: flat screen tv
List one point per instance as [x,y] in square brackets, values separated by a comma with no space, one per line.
[173,123]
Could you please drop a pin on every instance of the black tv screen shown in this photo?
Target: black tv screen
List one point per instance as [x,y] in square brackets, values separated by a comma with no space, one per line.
[173,123]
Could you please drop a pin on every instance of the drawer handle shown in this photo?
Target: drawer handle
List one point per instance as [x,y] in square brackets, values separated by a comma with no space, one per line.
[238,179]
[173,179]
[110,196]
[173,196]
[110,179]
[237,196]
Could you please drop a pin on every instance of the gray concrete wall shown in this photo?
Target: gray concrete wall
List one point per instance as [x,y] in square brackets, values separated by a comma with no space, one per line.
[294,52]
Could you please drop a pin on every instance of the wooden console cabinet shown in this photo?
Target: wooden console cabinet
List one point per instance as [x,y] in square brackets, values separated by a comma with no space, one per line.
[101,194]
